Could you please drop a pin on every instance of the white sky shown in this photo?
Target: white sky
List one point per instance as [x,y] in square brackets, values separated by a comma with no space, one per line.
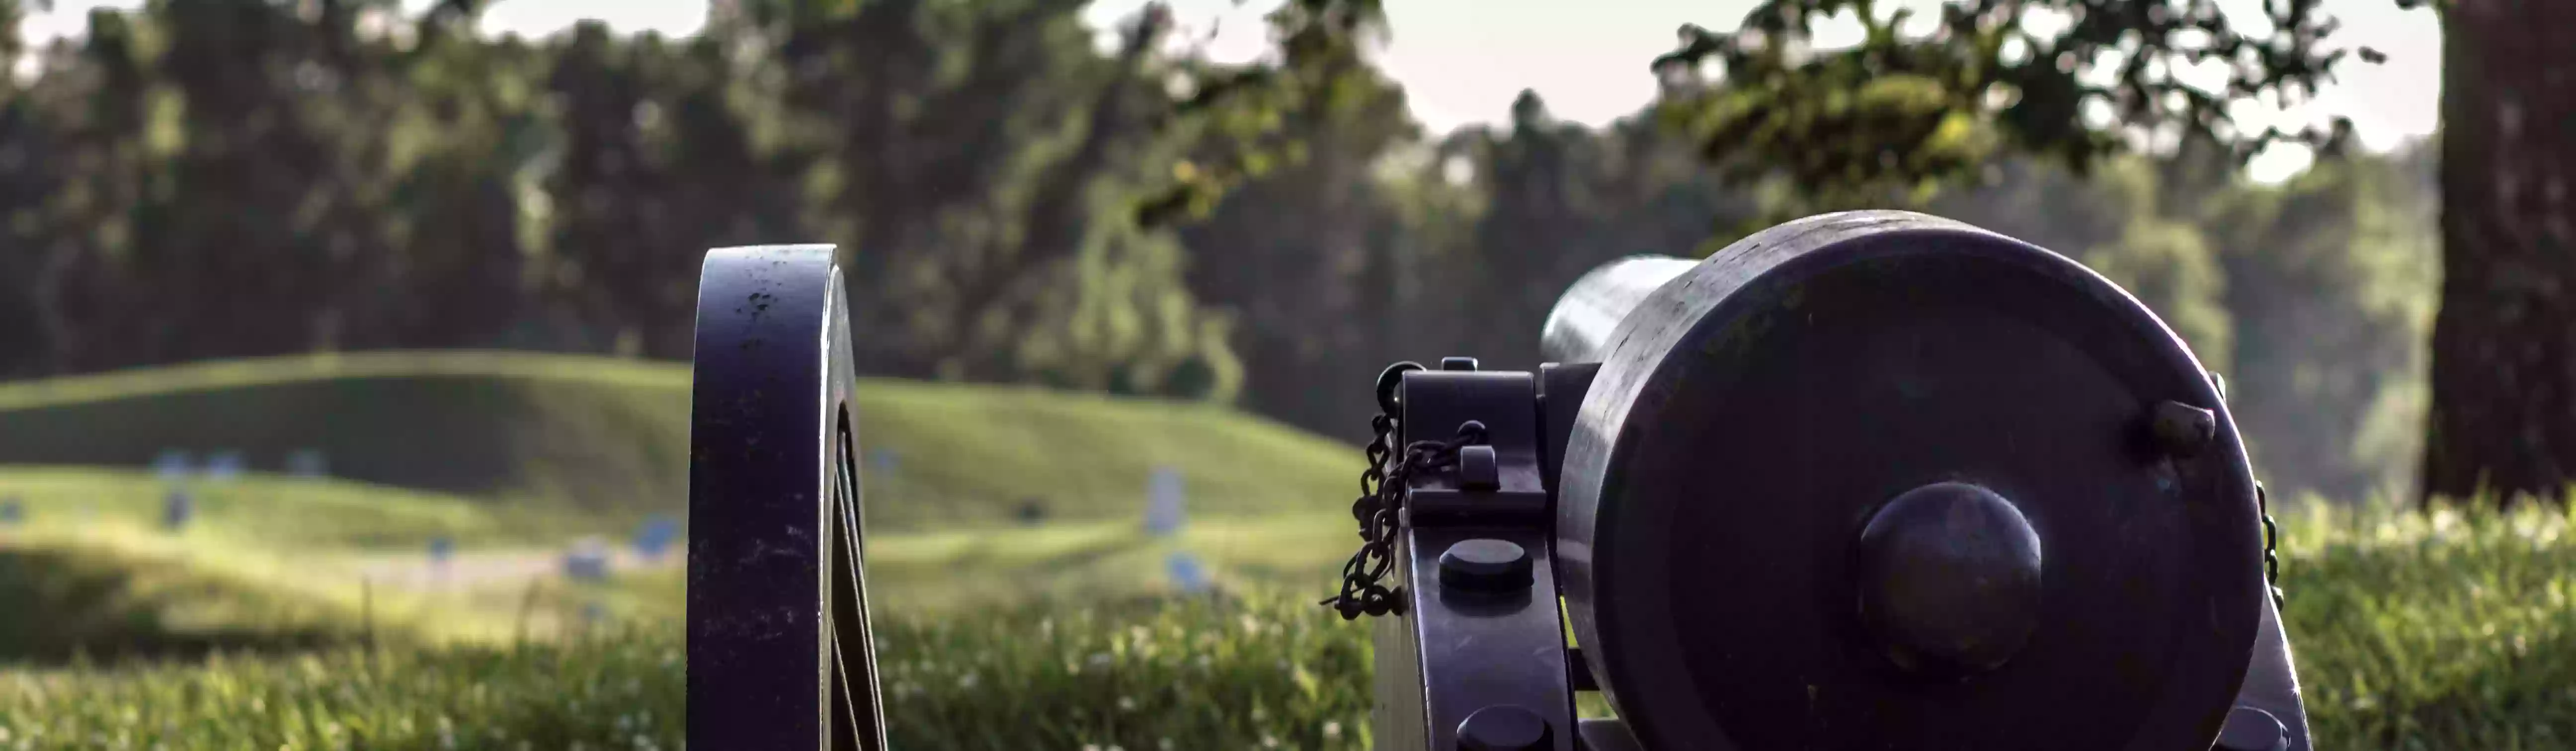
[1463,61]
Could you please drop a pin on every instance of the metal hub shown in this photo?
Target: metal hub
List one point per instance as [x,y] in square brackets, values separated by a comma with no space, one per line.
[1949,580]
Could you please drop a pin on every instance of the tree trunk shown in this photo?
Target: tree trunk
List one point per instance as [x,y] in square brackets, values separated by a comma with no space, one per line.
[2503,413]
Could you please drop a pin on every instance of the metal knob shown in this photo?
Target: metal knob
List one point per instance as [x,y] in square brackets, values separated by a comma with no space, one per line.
[1486,566]
[1949,579]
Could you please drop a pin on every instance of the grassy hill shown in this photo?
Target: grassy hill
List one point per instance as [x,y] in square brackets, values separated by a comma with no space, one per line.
[514,456]
[610,437]
[292,556]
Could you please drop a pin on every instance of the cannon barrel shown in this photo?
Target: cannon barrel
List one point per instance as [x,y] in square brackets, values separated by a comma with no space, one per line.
[1579,326]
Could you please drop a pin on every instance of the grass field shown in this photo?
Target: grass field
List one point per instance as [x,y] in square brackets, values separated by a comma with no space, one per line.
[2450,632]
[2445,632]
[256,628]
[311,557]
[609,436]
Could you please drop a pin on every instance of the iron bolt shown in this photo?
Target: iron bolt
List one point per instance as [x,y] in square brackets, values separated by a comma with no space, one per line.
[1485,566]
[1503,727]
[1478,469]
[1458,363]
[2183,430]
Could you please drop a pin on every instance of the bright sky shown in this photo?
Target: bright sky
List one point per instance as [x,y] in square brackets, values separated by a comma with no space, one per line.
[1463,61]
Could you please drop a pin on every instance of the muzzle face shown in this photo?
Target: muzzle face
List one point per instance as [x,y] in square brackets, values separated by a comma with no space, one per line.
[1880,480]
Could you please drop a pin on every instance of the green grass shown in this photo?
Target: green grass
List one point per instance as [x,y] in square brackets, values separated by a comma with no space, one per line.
[2448,631]
[71,604]
[282,513]
[610,437]
[309,544]
[604,693]
[272,563]
[2444,632]
[2451,631]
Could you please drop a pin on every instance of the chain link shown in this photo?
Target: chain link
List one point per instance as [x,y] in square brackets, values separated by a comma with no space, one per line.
[2271,545]
[1379,508]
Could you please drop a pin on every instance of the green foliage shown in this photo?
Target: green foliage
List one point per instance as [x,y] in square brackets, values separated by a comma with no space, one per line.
[1914,106]
[2332,278]
[281,177]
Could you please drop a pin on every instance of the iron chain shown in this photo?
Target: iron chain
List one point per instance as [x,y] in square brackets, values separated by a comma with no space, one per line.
[1379,509]
[2271,544]
[2263,508]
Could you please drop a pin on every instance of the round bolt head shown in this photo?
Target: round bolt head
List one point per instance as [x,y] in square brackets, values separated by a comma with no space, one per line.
[1485,566]
[1949,580]
[1503,727]
[2182,430]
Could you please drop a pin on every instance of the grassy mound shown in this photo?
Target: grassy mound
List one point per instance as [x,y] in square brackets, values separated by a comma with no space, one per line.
[301,515]
[610,436]
[72,603]
[270,559]
[324,535]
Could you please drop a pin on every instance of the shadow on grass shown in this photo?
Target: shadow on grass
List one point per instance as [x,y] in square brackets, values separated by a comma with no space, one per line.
[67,606]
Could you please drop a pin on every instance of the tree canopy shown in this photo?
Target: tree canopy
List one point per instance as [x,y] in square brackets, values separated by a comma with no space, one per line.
[1023,198]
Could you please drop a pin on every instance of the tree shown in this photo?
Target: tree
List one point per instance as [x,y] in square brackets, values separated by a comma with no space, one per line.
[26,170]
[974,161]
[1300,257]
[2503,413]
[1907,111]
[1916,106]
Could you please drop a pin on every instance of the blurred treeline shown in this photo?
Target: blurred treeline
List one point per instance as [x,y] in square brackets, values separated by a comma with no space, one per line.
[212,178]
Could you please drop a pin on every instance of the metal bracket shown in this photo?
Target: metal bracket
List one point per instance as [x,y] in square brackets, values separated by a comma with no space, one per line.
[1476,564]
[2268,704]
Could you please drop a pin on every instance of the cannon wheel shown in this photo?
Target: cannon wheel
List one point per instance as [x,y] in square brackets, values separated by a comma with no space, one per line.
[775,582]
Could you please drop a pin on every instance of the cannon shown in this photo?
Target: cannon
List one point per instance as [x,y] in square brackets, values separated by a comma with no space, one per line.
[1864,480]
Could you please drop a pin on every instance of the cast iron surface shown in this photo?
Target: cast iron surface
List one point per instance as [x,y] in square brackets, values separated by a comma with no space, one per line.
[779,654]
[1484,619]
[1751,415]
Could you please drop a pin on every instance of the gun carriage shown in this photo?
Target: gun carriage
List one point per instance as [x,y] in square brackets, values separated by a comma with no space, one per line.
[1865,480]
